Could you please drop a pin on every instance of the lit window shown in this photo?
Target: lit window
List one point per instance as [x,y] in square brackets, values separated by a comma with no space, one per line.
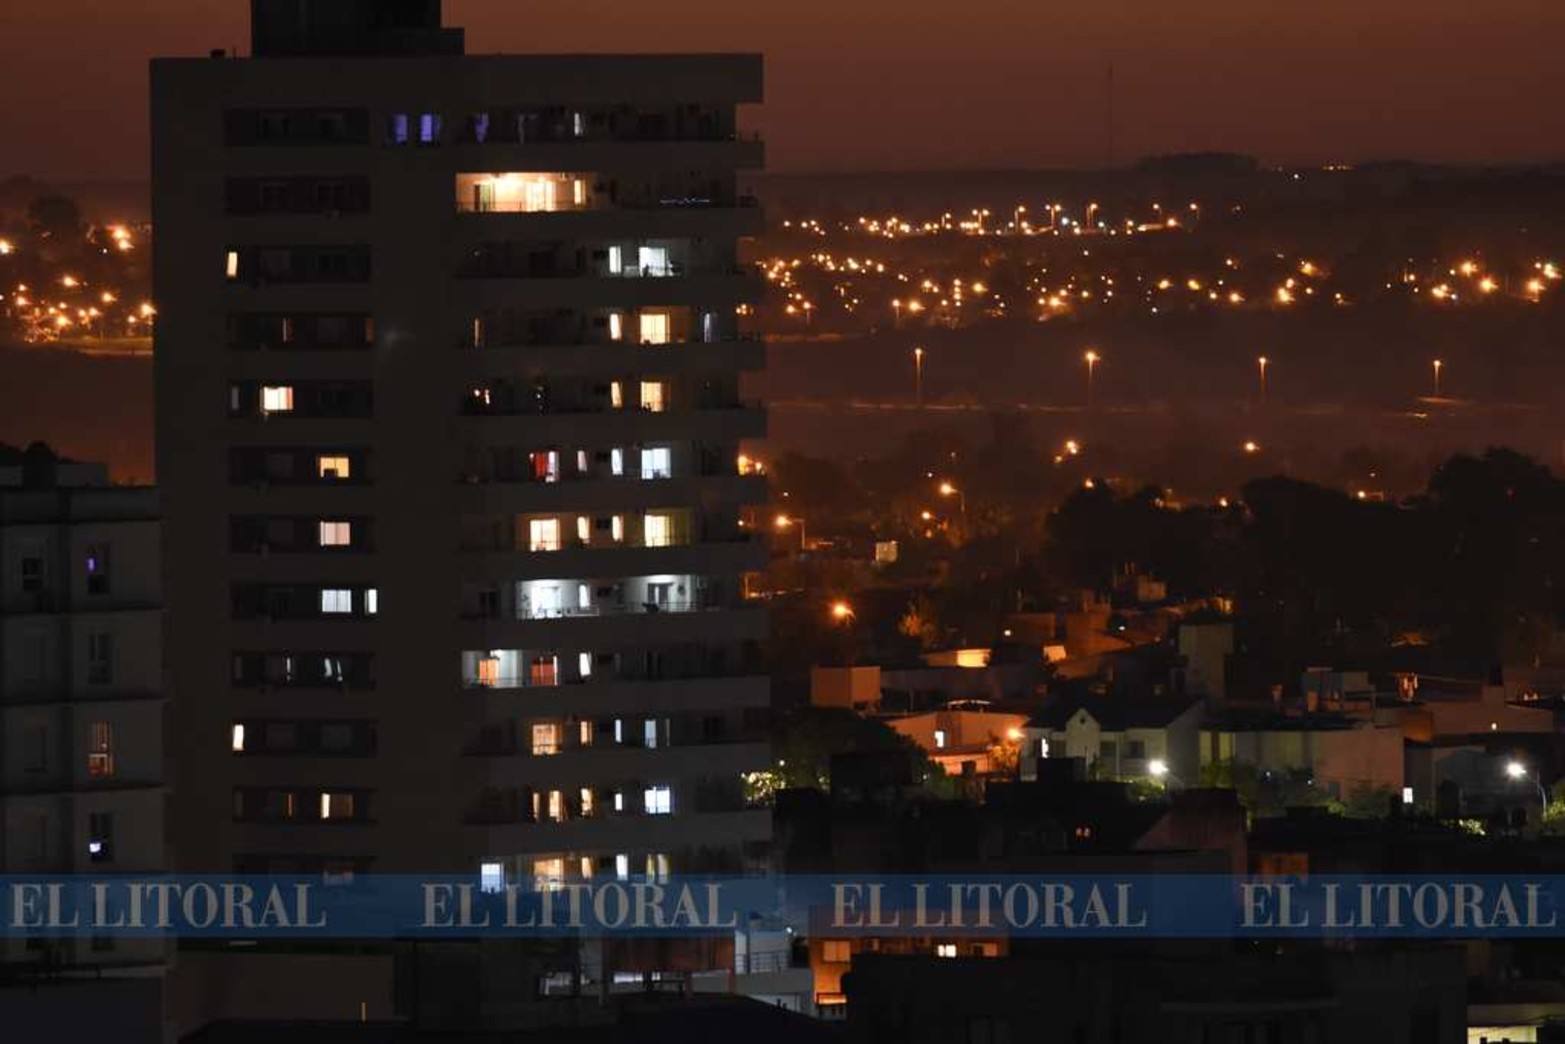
[491,877]
[940,739]
[546,739]
[618,528]
[557,808]
[656,463]
[616,263]
[836,951]
[586,867]
[100,837]
[543,534]
[584,665]
[658,801]
[1407,795]
[336,600]
[231,266]
[657,866]
[657,530]
[649,734]
[428,127]
[653,396]
[277,398]
[584,733]
[237,743]
[548,874]
[583,529]
[619,797]
[336,468]
[653,328]
[336,806]
[586,801]
[98,569]
[100,750]
[616,325]
[622,866]
[336,534]
[945,949]
[372,601]
[654,261]
[617,461]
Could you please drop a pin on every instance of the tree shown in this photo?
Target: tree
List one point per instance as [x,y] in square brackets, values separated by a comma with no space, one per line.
[55,217]
[920,623]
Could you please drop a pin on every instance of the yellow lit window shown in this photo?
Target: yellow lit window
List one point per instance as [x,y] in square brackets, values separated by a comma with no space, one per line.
[337,468]
[546,739]
[653,396]
[657,530]
[238,741]
[653,328]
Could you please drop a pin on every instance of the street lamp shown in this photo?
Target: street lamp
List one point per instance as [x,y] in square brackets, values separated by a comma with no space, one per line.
[1437,365]
[1517,771]
[841,611]
[896,313]
[918,377]
[1157,768]
[1261,362]
[1091,358]
[948,490]
[783,522]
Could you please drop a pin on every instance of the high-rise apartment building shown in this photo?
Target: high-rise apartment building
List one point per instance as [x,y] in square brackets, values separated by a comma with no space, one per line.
[449,428]
[81,704]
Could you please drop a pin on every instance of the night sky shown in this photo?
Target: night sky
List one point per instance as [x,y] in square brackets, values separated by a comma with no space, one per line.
[877,84]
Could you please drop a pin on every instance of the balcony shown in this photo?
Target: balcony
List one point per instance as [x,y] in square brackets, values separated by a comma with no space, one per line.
[618,833]
[737,420]
[741,554]
[716,620]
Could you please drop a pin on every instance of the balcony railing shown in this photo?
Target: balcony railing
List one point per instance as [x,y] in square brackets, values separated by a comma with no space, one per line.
[694,201]
[471,407]
[694,605]
[578,338]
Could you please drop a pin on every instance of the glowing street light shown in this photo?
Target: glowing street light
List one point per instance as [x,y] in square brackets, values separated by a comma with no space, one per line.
[1261,363]
[841,611]
[785,522]
[1438,365]
[1091,358]
[948,490]
[918,377]
[1251,446]
[1517,771]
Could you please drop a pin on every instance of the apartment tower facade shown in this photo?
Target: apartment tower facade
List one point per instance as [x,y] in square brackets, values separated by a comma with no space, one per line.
[449,444]
[81,694]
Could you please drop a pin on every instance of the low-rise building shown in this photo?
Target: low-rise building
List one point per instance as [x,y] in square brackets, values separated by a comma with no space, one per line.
[1120,739]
